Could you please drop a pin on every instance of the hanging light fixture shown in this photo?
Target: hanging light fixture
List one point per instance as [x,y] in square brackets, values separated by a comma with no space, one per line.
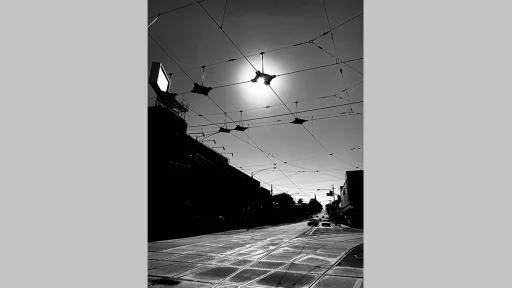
[297,120]
[262,75]
[200,88]
[240,127]
[225,128]
[266,77]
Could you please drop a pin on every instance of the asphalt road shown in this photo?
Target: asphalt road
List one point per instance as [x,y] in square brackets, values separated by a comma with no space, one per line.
[291,255]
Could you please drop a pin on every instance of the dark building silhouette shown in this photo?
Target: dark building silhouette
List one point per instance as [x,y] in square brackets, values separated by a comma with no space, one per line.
[351,200]
[192,189]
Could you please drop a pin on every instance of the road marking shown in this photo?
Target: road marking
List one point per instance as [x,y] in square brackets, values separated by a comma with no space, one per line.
[298,258]
[358,283]
[345,253]
[268,252]
[313,230]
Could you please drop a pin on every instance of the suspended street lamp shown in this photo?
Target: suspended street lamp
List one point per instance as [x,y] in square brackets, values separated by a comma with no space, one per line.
[297,120]
[200,88]
[262,75]
[225,128]
[240,127]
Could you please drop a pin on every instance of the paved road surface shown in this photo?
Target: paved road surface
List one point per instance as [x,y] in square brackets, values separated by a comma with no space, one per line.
[291,255]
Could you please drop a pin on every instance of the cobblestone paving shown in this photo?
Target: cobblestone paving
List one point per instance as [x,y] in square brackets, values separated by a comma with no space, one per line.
[292,255]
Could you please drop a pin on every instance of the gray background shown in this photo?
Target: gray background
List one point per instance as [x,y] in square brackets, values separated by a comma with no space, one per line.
[73,144]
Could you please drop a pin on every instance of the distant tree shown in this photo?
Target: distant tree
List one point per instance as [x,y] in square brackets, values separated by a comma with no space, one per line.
[300,201]
[285,206]
[314,206]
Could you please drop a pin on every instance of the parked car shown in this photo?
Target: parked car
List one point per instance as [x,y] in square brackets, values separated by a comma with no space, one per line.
[313,223]
[326,224]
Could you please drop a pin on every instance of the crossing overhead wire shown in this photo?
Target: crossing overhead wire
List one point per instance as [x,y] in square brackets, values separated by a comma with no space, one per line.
[311,41]
[204,117]
[224,13]
[250,55]
[322,145]
[174,9]
[277,75]
[332,37]
[318,141]
[303,100]
[337,26]
[214,132]
[280,122]
[213,101]
[335,56]
[318,67]
[153,21]
[226,34]
[280,99]
[169,56]
[232,84]
[280,115]
[254,145]
[266,154]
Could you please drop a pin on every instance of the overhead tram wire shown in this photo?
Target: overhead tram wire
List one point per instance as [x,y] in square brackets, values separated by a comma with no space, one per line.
[277,95]
[280,115]
[226,34]
[153,21]
[174,9]
[332,37]
[318,67]
[224,13]
[254,145]
[311,41]
[179,66]
[303,100]
[239,50]
[323,147]
[337,26]
[342,62]
[266,154]
[318,141]
[250,55]
[278,75]
[170,57]
[280,122]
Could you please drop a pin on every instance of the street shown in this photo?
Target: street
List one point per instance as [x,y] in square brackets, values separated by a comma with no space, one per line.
[289,255]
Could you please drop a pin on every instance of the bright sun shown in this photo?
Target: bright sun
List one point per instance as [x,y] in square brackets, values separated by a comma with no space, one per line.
[257,93]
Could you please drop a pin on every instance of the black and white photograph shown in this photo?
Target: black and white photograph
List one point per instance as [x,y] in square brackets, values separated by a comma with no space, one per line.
[258,144]
[255,143]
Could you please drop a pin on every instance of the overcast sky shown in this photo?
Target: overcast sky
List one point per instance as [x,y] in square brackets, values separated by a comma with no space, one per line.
[191,37]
